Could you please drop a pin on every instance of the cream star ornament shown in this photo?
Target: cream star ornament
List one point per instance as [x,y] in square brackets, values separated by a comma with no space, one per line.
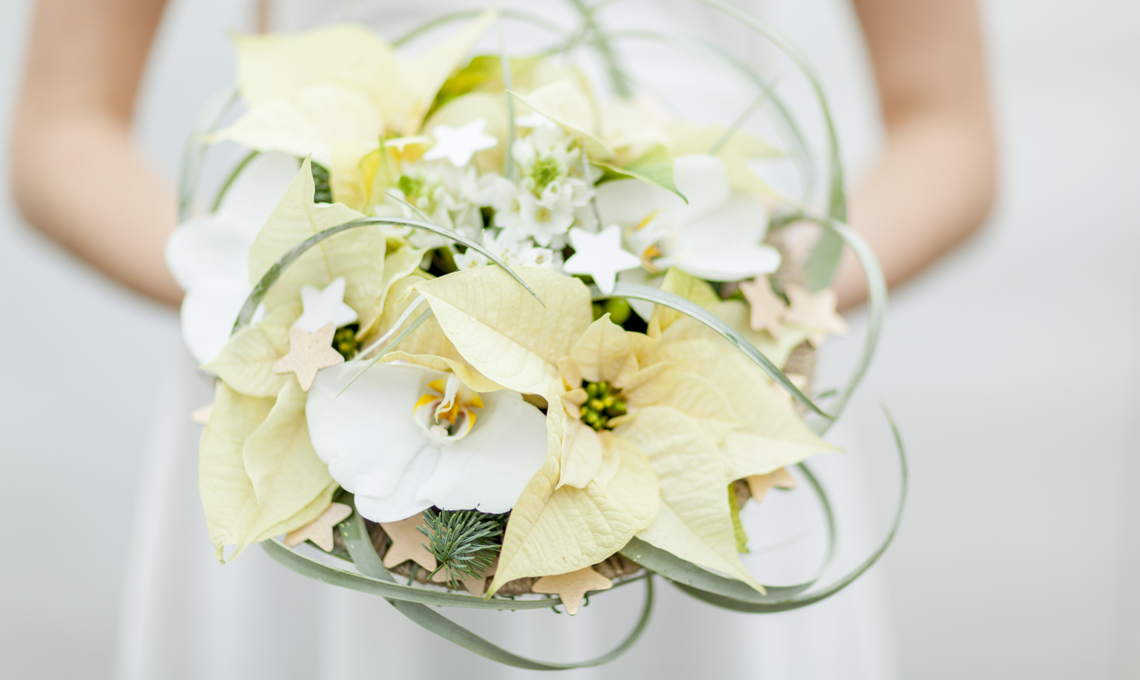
[572,587]
[600,256]
[458,145]
[320,530]
[766,306]
[814,311]
[309,353]
[324,306]
[760,485]
[408,543]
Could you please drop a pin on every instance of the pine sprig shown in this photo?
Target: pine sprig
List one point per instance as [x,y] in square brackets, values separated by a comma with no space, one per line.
[463,541]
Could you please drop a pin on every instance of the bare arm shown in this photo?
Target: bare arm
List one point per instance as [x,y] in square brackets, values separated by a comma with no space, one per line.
[76,173]
[934,183]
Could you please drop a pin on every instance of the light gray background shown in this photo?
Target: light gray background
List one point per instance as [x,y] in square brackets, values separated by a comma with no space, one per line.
[1011,368]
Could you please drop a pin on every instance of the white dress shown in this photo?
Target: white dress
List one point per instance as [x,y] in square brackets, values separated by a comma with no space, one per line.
[184,616]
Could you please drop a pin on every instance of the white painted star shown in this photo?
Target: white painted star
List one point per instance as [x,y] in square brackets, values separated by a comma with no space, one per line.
[324,306]
[534,121]
[599,255]
[458,145]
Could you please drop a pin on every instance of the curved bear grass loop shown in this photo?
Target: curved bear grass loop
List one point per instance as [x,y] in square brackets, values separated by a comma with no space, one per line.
[695,311]
[527,17]
[730,594]
[876,308]
[234,174]
[194,154]
[824,258]
[794,137]
[279,267]
[681,572]
[412,601]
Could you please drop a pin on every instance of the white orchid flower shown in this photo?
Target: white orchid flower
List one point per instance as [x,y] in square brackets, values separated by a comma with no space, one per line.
[718,236]
[404,438]
[209,255]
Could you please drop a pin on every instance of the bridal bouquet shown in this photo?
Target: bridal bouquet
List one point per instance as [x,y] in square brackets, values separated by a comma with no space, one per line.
[472,327]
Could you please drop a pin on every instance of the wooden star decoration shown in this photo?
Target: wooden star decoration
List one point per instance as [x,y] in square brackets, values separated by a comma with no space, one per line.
[476,585]
[408,543]
[572,587]
[201,415]
[814,311]
[320,530]
[309,353]
[760,485]
[766,306]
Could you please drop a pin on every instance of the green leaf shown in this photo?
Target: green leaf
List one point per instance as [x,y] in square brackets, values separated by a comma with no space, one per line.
[654,166]
[737,526]
[484,73]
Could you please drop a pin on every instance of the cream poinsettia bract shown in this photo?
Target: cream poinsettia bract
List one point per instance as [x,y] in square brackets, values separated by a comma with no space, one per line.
[259,475]
[338,87]
[616,401]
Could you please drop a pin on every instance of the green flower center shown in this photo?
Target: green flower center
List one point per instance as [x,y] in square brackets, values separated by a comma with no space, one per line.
[603,402]
[545,171]
[322,187]
[344,341]
[411,186]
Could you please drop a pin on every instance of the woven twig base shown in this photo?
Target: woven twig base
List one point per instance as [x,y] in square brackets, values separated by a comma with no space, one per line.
[614,568]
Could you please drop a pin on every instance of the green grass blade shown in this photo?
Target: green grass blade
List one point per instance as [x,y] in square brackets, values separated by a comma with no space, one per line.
[279,267]
[194,154]
[729,601]
[822,262]
[785,122]
[368,562]
[655,167]
[389,347]
[230,180]
[319,571]
[876,309]
[681,572]
[440,21]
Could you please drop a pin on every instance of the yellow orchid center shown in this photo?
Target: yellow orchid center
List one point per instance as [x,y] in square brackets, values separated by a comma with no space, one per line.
[603,402]
[345,341]
[446,413]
